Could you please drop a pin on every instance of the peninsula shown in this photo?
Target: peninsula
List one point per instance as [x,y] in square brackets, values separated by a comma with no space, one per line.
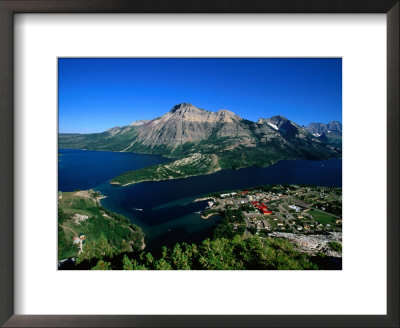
[202,142]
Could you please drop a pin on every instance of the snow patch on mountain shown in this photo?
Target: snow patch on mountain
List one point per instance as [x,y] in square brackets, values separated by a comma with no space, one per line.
[272,125]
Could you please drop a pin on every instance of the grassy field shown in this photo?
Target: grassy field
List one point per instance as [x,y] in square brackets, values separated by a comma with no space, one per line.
[323,218]
[94,222]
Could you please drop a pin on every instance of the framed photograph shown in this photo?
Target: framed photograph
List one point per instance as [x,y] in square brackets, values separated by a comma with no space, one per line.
[187,164]
[190,179]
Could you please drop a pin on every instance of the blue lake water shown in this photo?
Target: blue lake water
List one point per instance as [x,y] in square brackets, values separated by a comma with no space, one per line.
[85,169]
[168,213]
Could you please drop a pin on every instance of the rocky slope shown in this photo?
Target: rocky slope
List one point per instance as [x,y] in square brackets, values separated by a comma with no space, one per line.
[330,133]
[312,244]
[186,130]
[320,128]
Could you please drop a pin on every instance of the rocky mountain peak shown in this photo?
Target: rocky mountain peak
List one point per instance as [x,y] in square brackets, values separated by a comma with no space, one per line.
[189,112]
[275,122]
[284,126]
[277,119]
[183,108]
[225,112]
[187,129]
[224,115]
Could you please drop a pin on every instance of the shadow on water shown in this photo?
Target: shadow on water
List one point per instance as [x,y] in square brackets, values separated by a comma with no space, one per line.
[328,262]
[183,234]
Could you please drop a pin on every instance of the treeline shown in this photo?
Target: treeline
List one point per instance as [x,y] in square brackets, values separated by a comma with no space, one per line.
[239,253]
[225,229]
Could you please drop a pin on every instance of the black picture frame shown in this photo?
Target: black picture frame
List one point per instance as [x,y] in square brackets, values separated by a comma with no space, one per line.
[10,7]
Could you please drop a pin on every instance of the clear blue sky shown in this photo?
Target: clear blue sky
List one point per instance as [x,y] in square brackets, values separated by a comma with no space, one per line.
[97,94]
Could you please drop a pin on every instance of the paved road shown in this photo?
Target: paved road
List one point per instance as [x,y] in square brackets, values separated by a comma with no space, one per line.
[67,228]
[307,215]
[284,210]
[247,222]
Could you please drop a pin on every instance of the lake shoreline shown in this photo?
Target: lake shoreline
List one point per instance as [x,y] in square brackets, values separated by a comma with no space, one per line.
[116,183]
[208,216]
[179,221]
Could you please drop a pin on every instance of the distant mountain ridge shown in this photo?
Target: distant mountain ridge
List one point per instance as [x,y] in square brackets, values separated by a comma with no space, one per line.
[330,133]
[187,130]
[320,128]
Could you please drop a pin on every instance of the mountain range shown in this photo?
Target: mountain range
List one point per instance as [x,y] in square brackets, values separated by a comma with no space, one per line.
[213,140]
[330,133]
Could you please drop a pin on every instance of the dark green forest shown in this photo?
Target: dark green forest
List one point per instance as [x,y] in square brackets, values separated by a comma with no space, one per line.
[239,253]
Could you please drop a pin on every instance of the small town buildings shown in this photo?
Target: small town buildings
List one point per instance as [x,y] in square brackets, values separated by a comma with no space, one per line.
[266,224]
[253,212]
[294,207]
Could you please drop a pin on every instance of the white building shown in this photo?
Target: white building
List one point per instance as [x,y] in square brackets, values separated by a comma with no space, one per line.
[294,207]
